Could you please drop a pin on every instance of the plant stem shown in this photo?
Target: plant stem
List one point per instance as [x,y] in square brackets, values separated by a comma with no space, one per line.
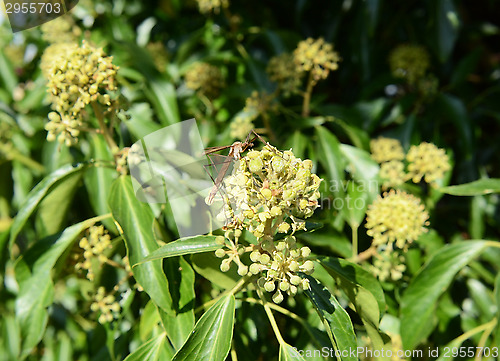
[269,313]
[267,125]
[307,96]
[242,282]
[475,330]
[13,154]
[483,339]
[105,131]
[276,308]
[354,241]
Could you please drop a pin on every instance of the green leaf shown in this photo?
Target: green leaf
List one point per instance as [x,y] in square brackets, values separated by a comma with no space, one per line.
[446,26]
[7,74]
[337,322]
[136,225]
[36,291]
[355,203]
[336,242]
[53,209]
[212,334]
[419,299]
[363,169]
[181,283]
[297,142]
[288,353]
[150,351]
[497,298]
[331,158]
[182,246]
[455,111]
[164,99]
[357,281]
[98,179]
[37,194]
[476,188]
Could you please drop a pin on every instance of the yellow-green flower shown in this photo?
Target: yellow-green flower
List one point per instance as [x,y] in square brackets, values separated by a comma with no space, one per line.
[397,217]
[389,264]
[392,174]
[386,149]
[241,126]
[268,187]
[428,162]
[283,71]
[317,57]
[208,6]
[205,78]
[159,54]
[60,30]
[270,192]
[84,75]
[54,53]
[106,305]
[409,62]
[94,245]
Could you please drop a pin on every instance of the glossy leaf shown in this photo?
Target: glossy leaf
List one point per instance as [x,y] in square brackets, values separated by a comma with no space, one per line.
[38,193]
[150,351]
[212,334]
[419,299]
[183,246]
[36,291]
[446,26]
[288,353]
[336,320]
[476,188]
[136,226]
[352,275]
[181,283]
[331,158]
[98,179]
[53,209]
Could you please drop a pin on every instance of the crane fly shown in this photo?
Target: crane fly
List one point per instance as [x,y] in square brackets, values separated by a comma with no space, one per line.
[235,151]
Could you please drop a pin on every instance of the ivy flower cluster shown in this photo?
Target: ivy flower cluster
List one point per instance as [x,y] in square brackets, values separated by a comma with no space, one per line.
[106,305]
[396,218]
[428,162]
[283,71]
[204,78]
[386,149]
[424,161]
[409,62]
[60,30]
[317,57]
[389,264]
[258,104]
[94,245]
[270,192]
[82,76]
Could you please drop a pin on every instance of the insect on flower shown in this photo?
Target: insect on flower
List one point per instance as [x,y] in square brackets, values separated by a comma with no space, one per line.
[235,151]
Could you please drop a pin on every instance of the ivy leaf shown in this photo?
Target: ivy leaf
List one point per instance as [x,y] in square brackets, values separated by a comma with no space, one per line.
[136,226]
[419,300]
[212,334]
[183,246]
[337,322]
[38,193]
[288,353]
[476,188]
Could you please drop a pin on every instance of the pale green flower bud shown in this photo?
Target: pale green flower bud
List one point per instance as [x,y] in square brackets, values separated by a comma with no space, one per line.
[220,253]
[269,286]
